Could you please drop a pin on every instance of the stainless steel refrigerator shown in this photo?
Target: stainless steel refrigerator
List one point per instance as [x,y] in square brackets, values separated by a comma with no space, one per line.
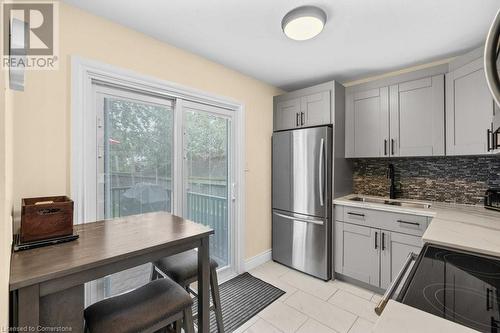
[302,197]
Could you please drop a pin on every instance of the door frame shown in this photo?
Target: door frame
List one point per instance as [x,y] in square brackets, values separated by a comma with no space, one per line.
[85,72]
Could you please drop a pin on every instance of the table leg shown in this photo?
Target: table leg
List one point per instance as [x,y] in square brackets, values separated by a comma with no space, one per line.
[28,316]
[203,286]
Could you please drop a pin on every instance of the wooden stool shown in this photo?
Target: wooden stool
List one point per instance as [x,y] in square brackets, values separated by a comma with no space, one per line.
[145,309]
[183,269]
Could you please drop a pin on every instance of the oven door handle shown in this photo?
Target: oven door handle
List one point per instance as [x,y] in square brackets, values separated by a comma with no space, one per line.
[395,284]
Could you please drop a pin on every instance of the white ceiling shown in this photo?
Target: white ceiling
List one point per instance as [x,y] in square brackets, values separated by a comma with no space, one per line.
[361,37]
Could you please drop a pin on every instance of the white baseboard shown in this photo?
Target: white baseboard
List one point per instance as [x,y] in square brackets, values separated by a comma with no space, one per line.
[258,260]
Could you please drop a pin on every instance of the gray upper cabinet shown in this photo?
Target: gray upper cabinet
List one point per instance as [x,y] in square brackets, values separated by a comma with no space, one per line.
[496,118]
[367,123]
[469,110]
[442,110]
[316,108]
[402,115]
[287,114]
[307,107]
[417,117]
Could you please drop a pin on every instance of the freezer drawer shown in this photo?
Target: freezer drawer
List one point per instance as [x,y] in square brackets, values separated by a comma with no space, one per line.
[301,171]
[303,243]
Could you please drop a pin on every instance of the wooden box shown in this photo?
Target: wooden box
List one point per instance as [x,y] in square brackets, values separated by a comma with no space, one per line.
[45,218]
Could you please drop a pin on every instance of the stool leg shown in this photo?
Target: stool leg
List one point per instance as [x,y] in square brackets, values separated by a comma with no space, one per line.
[188,320]
[214,287]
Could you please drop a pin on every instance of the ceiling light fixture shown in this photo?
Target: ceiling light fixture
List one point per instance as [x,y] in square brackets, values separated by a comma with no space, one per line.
[303,23]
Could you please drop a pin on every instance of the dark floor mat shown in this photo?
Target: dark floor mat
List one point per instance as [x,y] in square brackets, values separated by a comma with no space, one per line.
[242,298]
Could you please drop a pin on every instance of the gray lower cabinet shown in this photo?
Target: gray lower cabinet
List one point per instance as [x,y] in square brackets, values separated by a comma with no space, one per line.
[364,248]
[469,110]
[360,253]
[395,248]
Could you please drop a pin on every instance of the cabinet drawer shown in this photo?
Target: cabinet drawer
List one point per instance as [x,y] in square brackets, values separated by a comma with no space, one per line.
[403,223]
[359,215]
[407,224]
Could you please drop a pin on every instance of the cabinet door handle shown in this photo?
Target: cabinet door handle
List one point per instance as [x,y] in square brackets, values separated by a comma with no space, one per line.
[297,119]
[406,222]
[385,147]
[488,141]
[392,146]
[302,118]
[356,214]
[376,237]
[488,301]
[383,241]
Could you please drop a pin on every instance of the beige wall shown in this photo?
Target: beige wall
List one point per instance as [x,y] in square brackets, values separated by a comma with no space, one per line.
[5,196]
[42,112]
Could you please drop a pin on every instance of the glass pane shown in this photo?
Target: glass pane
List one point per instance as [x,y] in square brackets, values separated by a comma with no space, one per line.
[137,157]
[206,157]
[135,169]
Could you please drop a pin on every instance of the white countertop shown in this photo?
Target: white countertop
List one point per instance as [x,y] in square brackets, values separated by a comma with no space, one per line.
[471,228]
[466,227]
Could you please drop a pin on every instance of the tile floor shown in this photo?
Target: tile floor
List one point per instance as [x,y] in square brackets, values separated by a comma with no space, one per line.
[311,305]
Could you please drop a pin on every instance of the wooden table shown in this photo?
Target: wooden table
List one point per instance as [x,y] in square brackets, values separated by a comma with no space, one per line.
[48,283]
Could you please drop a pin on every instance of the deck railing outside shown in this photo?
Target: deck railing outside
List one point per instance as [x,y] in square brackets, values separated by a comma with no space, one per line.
[211,211]
[205,209]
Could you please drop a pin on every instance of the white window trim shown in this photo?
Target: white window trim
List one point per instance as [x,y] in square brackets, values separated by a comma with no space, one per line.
[85,71]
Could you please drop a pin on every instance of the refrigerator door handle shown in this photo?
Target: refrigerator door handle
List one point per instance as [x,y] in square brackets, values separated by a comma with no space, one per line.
[318,222]
[321,167]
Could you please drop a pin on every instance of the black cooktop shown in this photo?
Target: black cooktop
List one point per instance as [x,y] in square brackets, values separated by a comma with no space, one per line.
[456,285]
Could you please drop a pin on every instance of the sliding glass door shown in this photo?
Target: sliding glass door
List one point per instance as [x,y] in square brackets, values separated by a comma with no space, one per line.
[135,160]
[134,168]
[207,132]
[159,154]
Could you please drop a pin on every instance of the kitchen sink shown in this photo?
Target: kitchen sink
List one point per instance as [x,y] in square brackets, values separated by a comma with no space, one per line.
[392,203]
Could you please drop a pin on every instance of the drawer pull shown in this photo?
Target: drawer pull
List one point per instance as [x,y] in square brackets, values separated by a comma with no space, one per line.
[356,214]
[411,223]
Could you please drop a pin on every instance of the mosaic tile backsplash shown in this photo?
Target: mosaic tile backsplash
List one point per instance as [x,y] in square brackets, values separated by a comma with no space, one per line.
[447,179]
